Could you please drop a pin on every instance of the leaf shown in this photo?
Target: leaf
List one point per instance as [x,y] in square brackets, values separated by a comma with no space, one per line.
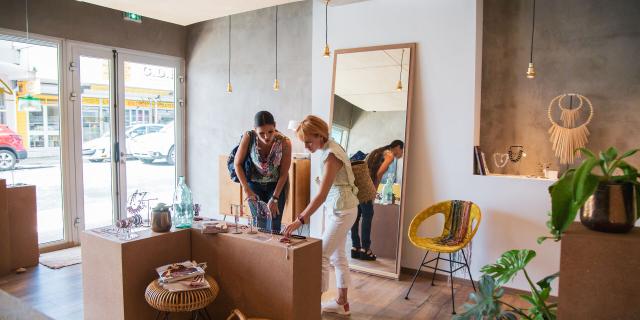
[610,155]
[582,174]
[562,200]
[485,301]
[546,282]
[586,152]
[628,154]
[508,265]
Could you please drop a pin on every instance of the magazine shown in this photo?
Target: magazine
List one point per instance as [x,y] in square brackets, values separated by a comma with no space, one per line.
[196,283]
[178,271]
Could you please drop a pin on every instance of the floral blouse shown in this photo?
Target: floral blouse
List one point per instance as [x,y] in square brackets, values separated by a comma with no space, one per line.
[268,169]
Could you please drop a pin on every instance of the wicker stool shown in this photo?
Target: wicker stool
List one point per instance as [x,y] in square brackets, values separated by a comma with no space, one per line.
[194,301]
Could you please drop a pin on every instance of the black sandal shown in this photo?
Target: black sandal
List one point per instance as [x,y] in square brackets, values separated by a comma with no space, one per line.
[356,253]
[368,255]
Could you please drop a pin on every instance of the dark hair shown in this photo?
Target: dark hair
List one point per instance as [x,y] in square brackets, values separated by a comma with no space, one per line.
[395,143]
[263,118]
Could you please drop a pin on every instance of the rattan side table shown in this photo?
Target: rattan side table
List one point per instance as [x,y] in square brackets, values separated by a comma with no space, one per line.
[194,301]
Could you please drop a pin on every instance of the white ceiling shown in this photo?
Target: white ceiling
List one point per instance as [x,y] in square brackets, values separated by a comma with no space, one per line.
[186,12]
[368,79]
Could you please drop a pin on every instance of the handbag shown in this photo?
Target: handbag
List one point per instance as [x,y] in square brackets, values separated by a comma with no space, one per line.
[366,190]
[246,162]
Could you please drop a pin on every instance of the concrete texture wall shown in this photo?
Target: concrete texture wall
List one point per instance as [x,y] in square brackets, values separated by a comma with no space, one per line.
[443,124]
[586,46]
[75,20]
[215,118]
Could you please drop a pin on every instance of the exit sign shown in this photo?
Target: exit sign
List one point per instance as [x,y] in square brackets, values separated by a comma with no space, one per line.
[130,16]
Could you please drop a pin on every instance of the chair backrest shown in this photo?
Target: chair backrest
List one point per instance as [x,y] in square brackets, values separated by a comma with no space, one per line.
[444,208]
[236,313]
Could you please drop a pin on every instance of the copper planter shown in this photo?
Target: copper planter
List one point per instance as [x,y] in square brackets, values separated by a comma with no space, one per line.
[612,208]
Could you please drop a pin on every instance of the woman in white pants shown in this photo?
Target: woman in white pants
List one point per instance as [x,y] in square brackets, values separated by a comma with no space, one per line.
[338,194]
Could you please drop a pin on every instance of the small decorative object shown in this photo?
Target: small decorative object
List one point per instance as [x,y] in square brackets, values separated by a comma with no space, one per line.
[500,159]
[542,168]
[124,226]
[209,227]
[568,138]
[607,202]
[182,205]
[516,153]
[196,212]
[161,218]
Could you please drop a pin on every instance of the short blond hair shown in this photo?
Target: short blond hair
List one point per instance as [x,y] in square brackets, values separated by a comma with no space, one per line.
[312,125]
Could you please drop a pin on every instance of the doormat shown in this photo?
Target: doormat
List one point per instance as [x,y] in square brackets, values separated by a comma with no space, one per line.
[62,258]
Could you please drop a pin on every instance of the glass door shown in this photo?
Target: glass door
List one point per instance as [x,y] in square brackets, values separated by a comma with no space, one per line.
[93,76]
[150,122]
[128,123]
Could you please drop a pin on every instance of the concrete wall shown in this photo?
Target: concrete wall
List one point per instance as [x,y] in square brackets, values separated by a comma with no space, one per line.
[216,119]
[75,20]
[444,122]
[586,46]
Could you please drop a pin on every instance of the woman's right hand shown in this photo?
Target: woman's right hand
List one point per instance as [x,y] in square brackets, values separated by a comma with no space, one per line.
[249,194]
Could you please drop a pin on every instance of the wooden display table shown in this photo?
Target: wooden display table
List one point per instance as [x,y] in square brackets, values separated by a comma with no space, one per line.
[262,278]
[115,273]
[384,230]
[19,228]
[599,274]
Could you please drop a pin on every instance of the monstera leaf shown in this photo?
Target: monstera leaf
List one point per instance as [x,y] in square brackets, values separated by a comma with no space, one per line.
[509,264]
[486,304]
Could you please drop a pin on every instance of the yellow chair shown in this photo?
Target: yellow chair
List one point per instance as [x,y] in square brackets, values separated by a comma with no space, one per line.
[432,244]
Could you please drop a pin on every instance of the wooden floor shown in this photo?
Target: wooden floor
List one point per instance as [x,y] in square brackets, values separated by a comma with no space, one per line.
[58,294]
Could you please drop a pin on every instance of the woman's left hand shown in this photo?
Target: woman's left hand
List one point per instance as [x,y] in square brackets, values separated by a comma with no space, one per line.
[291,228]
[273,208]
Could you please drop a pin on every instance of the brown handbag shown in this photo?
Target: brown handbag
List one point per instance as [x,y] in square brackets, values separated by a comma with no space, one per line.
[366,190]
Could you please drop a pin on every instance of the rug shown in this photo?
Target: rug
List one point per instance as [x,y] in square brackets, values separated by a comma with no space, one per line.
[62,258]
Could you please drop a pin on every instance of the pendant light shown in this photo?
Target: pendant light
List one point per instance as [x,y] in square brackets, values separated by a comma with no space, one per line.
[531,70]
[399,84]
[229,87]
[327,52]
[276,83]
[29,102]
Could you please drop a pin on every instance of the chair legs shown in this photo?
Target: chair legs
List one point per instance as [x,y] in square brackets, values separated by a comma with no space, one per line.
[451,271]
[466,263]
[435,270]
[406,297]
[453,300]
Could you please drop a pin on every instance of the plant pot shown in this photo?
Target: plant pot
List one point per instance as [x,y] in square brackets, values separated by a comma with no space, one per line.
[612,208]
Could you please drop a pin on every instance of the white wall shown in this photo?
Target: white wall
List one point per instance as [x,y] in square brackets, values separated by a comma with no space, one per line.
[443,124]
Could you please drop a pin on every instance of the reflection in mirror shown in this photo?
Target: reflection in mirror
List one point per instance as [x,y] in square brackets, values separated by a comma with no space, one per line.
[369,120]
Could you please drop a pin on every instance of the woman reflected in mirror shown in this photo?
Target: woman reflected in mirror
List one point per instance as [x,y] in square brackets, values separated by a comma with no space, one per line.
[270,155]
[338,196]
[382,169]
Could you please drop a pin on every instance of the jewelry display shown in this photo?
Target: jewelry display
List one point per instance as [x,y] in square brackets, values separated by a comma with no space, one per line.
[516,156]
[500,159]
[236,217]
[568,137]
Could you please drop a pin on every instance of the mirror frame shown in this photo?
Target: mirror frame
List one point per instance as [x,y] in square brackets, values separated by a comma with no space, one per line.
[405,162]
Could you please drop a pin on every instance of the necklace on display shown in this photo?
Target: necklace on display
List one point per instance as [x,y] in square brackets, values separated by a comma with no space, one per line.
[566,139]
[516,157]
[500,159]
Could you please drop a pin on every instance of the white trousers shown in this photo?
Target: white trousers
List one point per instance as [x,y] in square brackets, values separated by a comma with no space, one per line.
[334,251]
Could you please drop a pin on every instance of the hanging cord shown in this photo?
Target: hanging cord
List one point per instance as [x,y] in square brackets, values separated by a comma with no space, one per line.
[229,49]
[26,16]
[326,23]
[276,42]
[533,30]
[401,63]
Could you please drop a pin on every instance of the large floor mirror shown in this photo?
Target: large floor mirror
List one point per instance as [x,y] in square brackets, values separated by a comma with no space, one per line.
[370,113]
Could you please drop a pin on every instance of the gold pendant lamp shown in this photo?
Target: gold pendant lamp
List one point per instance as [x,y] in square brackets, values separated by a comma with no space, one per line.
[531,70]
[229,87]
[276,83]
[399,84]
[327,51]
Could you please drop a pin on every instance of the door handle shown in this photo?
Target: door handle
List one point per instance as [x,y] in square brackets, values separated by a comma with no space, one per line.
[116,152]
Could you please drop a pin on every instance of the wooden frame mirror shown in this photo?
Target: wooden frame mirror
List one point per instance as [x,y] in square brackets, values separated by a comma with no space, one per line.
[370,117]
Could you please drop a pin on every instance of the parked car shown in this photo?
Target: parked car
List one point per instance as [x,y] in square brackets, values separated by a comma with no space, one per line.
[99,149]
[11,148]
[154,146]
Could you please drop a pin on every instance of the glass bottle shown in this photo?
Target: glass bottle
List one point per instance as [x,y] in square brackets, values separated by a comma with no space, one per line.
[182,205]
[387,192]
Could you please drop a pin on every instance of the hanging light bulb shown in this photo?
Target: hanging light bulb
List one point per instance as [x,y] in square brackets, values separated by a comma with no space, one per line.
[276,83]
[399,84]
[327,51]
[531,70]
[229,87]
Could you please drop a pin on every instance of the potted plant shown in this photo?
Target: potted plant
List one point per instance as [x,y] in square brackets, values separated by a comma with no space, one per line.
[608,202]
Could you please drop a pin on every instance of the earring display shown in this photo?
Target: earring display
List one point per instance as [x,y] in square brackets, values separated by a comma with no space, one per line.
[568,137]
[516,155]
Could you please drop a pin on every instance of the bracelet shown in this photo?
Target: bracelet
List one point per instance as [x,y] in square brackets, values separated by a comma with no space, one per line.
[301,219]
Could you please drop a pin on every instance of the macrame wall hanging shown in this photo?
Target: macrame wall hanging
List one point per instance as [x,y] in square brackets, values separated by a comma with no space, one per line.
[568,137]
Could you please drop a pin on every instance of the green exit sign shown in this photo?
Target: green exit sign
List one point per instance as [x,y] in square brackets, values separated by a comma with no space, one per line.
[130,16]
